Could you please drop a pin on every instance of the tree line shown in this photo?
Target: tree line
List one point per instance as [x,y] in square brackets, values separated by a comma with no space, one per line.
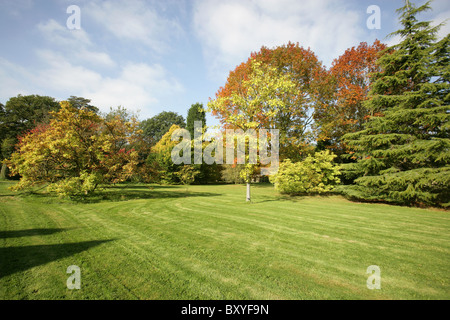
[381,111]
[74,147]
[375,123]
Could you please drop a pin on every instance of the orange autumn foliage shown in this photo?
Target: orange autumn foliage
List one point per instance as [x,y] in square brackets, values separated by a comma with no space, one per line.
[350,75]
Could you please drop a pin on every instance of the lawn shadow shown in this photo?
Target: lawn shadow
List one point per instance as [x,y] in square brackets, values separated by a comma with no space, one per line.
[296,197]
[264,185]
[267,200]
[305,196]
[18,259]
[117,194]
[143,186]
[28,233]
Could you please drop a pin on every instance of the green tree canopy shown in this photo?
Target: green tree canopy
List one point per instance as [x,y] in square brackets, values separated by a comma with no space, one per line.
[23,113]
[79,102]
[403,154]
[154,128]
[195,113]
[18,115]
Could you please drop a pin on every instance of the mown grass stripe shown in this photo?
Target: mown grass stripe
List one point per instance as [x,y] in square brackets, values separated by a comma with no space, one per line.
[207,243]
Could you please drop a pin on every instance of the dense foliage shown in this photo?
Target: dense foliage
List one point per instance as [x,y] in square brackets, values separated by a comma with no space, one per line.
[160,158]
[154,128]
[195,113]
[403,154]
[264,94]
[294,116]
[18,115]
[349,80]
[315,174]
[76,152]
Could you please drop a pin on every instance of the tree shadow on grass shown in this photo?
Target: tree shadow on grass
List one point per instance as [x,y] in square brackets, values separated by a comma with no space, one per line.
[308,196]
[261,185]
[143,186]
[125,193]
[267,200]
[132,194]
[18,259]
[28,233]
[297,197]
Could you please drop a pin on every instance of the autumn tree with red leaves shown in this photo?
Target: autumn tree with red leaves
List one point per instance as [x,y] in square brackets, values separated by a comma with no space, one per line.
[349,79]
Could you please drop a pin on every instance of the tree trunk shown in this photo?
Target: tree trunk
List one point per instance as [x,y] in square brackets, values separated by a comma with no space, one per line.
[248,192]
[3,172]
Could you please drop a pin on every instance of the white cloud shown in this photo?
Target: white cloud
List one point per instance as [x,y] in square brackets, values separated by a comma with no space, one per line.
[13,79]
[439,14]
[230,30]
[75,44]
[71,62]
[137,86]
[94,58]
[444,18]
[60,75]
[62,36]
[136,21]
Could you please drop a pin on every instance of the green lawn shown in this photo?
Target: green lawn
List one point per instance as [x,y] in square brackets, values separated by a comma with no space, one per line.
[164,242]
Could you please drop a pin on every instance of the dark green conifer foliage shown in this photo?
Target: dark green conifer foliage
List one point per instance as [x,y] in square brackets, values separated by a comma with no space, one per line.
[403,152]
[195,113]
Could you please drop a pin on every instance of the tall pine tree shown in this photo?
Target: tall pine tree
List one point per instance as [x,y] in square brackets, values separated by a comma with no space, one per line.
[403,151]
[195,113]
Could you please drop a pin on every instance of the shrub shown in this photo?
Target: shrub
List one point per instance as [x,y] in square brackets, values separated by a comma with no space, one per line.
[316,174]
[187,174]
[231,173]
[85,184]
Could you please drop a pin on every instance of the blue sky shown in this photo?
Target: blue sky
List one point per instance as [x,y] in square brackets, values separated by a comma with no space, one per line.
[153,56]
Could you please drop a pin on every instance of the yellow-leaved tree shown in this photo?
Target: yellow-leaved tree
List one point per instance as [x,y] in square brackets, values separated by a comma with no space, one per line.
[76,151]
[265,92]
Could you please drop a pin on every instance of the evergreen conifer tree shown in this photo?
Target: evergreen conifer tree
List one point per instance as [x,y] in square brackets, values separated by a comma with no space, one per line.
[195,113]
[403,151]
